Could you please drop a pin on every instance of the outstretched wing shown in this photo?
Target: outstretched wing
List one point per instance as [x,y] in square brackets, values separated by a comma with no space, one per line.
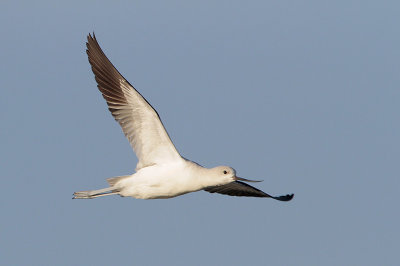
[241,189]
[139,121]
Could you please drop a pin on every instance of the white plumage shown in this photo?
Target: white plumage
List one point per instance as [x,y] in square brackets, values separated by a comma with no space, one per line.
[161,172]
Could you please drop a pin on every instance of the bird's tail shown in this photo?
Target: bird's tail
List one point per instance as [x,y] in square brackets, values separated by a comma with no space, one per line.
[91,194]
[114,180]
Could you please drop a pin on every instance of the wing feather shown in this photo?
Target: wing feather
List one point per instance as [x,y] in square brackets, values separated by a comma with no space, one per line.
[140,123]
[241,189]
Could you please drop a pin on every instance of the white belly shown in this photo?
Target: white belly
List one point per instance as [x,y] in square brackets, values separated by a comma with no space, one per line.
[159,182]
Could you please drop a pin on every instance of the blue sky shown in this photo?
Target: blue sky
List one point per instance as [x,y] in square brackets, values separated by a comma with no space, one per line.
[304,95]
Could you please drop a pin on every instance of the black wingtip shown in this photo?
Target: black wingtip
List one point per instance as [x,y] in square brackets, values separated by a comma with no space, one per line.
[287,197]
[91,37]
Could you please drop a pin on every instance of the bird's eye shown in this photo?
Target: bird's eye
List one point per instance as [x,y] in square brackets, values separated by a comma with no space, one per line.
[225,172]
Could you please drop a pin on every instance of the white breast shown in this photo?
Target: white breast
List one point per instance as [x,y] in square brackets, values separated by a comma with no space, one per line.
[162,181]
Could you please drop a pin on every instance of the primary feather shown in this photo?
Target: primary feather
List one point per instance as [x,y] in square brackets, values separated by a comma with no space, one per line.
[139,121]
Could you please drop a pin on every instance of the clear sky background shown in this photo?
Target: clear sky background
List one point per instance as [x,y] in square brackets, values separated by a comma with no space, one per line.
[302,94]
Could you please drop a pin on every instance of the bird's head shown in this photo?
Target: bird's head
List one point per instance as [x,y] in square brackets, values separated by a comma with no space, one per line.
[224,174]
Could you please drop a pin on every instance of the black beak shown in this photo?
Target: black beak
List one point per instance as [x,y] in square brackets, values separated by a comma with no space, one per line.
[246,180]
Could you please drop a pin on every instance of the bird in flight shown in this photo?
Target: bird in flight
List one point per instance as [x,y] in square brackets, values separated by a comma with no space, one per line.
[161,172]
